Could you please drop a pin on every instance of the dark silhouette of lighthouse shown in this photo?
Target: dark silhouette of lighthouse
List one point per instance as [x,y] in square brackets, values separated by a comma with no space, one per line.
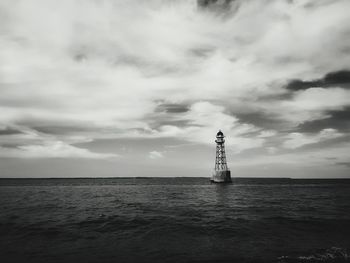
[221,173]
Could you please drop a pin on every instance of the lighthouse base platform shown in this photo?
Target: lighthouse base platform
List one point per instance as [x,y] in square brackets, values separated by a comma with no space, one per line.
[221,177]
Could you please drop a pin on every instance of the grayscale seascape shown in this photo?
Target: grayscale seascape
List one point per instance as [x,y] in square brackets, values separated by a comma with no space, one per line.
[175,131]
[174,220]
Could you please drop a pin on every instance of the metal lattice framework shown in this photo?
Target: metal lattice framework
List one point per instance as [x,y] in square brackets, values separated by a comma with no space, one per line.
[220,160]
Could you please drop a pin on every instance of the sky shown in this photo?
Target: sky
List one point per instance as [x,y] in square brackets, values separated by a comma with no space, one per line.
[140,87]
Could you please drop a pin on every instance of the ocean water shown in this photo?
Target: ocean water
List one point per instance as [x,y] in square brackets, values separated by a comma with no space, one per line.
[174,220]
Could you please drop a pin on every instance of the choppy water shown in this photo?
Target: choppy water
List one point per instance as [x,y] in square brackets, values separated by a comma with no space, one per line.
[174,220]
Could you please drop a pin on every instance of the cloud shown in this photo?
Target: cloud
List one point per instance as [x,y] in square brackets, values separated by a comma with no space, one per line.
[172,108]
[155,155]
[215,5]
[51,150]
[296,140]
[338,119]
[75,72]
[8,131]
[205,119]
[309,164]
[332,79]
[346,164]
[306,105]
[29,143]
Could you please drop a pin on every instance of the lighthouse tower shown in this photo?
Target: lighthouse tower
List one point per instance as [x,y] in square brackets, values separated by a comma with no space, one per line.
[221,173]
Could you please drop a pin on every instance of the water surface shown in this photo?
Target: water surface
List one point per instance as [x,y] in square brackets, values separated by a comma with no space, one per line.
[171,219]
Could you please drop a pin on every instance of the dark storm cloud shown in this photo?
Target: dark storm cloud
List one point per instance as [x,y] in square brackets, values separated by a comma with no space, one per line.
[261,119]
[201,52]
[338,78]
[324,144]
[60,130]
[337,119]
[172,108]
[210,3]
[80,57]
[347,164]
[9,131]
[168,114]
[10,145]
[218,6]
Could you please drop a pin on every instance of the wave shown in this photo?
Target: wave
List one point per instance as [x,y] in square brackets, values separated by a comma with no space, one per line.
[331,255]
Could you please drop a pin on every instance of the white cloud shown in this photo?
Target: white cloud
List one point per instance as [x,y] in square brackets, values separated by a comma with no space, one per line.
[132,60]
[29,143]
[205,119]
[105,65]
[294,164]
[267,133]
[296,139]
[271,150]
[52,150]
[155,155]
[312,104]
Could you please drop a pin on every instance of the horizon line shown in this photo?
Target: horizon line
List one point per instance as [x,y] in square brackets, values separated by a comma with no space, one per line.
[170,177]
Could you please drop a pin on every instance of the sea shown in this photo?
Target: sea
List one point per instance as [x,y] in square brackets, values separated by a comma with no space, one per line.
[174,220]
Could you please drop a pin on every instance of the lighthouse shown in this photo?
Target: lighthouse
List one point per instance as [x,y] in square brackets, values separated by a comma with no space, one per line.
[221,172]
